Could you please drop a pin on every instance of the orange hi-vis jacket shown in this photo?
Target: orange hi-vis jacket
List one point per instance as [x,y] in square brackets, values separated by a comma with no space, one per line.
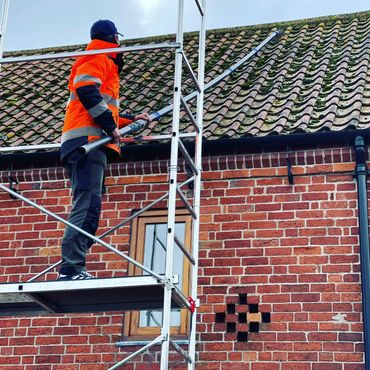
[93,106]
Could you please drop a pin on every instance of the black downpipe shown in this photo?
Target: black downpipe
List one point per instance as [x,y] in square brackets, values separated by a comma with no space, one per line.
[361,174]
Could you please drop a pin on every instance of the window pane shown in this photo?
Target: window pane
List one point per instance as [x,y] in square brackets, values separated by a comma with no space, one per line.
[155,258]
[152,318]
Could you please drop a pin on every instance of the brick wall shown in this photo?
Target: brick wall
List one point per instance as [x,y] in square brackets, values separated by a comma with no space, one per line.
[279,265]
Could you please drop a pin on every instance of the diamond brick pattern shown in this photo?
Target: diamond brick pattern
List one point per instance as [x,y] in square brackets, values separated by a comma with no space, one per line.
[315,78]
[241,317]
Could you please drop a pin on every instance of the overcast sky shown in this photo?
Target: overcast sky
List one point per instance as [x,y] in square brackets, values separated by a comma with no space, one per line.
[34,24]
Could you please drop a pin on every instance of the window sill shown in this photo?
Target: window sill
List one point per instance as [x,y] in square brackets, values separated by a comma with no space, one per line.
[131,343]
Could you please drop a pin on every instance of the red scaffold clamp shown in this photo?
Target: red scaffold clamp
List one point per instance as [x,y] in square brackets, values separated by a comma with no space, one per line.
[193,304]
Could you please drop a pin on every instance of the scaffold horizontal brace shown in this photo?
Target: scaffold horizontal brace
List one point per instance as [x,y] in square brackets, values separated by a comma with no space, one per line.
[22,148]
[75,54]
[29,147]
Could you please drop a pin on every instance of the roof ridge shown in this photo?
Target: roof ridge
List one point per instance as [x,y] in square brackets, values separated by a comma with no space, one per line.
[192,33]
[295,22]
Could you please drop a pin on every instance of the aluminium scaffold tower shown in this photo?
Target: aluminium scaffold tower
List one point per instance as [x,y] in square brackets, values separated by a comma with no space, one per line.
[42,296]
[152,291]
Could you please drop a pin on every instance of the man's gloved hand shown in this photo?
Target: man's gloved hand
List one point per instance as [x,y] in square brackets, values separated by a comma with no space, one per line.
[118,60]
[144,116]
[116,136]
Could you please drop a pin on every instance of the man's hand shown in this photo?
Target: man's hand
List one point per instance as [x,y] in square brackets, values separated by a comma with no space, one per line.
[144,116]
[116,136]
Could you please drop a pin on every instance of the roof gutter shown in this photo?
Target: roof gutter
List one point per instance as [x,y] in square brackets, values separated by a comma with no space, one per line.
[296,141]
[245,145]
[361,174]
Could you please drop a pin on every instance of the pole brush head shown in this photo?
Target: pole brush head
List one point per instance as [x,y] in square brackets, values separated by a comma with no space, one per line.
[279,35]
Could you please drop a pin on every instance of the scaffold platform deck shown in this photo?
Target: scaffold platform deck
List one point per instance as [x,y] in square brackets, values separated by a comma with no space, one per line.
[84,296]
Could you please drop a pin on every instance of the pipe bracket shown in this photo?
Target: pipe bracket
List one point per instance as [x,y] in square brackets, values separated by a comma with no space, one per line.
[12,181]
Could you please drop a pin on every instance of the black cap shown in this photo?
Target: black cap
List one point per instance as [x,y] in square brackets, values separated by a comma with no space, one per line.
[104,30]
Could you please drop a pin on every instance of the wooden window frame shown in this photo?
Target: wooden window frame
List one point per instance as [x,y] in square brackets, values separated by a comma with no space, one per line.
[131,329]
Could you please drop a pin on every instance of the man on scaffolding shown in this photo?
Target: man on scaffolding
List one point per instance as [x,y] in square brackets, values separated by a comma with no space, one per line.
[92,112]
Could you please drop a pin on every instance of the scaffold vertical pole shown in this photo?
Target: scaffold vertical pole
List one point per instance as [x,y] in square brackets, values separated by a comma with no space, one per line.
[3,23]
[197,184]
[166,323]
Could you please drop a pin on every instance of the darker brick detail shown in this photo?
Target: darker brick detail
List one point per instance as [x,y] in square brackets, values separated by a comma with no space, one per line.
[234,322]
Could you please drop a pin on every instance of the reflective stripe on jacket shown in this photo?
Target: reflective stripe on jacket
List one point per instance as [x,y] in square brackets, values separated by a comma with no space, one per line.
[100,73]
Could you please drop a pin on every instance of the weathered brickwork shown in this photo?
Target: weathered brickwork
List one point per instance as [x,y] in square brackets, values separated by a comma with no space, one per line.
[279,275]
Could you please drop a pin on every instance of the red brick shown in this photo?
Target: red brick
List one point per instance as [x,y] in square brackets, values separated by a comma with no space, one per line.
[237,191]
[268,207]
[212,356]
[349,357]
[90,358]
[338,347]
[208,366]
[226,217]
[235,226]
[315,196]
[350,337]
[306,297]
[72,330]
[225,280]
[283,279]
[303,356]
[281,215]
[45,330]
[22,341]
[228,235]
[312,278]
[327,366]
[263,233]
[215,290]
[303,326]
[310,214]
[10,360]
[287,198]
[265,366]
[227,262]
[294,241]
[233,366]
[92,367]
[51,359]
[226,346]
[52,350]
[263,225]
[219,184]
[295,366]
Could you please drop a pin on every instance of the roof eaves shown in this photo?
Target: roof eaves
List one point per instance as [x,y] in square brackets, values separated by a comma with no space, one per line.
[224,146]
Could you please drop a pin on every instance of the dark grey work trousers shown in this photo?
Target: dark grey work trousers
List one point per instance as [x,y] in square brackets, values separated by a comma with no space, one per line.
[86,174]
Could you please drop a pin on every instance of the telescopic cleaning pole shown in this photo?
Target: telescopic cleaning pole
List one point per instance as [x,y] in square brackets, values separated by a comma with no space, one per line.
[142,124]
